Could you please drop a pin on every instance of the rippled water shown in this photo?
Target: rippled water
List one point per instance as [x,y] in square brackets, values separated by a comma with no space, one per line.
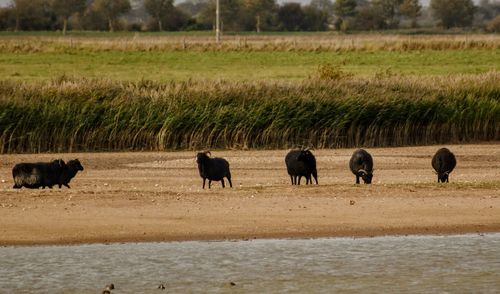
[416,264]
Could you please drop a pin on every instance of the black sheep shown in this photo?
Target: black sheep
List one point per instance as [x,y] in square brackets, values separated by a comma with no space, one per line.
[69,172]
[361,165]
[301,163]
[213,169]
[443,163]
[36,175]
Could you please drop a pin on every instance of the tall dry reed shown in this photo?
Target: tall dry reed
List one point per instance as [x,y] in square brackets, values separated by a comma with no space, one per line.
[89,115]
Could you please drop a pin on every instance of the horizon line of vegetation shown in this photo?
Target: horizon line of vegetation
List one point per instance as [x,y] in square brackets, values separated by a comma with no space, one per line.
[311,43]
[328,111]
[248,15]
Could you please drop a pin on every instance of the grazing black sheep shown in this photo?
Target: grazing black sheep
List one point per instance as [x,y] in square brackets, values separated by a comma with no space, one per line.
[361,165]
[69,172]
[301,163]
[36,175]
[443,162]
[213,169]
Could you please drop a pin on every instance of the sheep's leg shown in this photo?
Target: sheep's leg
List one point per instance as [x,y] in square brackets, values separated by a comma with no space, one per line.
[67,185]
[300,177]
[315,175]
[357,179]
[222,181]
[230,183]
[204,180]
[209,184]
[291,179]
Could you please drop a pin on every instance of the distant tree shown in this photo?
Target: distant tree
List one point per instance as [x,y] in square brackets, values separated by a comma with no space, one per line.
[314,19]
[412,10]
[158,8]
[323,5]
[259,9]
[486,11]
[290,16]
[368,17]
[389,10]
[175,20]
[33,15]
[193,7]
[112,9]
[20,8]
[453,13]
[7,18]
[65,8]
[490,9]
[493,26]
[343,9]
[90,20]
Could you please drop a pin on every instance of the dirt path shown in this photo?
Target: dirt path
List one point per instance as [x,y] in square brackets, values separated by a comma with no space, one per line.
[158,197]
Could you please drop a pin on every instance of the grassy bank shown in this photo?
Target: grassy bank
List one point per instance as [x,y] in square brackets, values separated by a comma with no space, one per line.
[88,115]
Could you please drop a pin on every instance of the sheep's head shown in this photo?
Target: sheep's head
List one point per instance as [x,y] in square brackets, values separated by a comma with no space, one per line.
[202,156]
[76,164]
[305,155]
[366,175]
[443,177]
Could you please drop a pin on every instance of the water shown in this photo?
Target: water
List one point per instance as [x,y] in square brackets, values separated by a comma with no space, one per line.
[416,264]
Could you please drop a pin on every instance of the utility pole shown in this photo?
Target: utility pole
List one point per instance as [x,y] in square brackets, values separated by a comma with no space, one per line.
[217,22]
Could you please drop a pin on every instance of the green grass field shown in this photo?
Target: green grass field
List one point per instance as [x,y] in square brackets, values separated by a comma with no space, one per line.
[125,56]
[165,66]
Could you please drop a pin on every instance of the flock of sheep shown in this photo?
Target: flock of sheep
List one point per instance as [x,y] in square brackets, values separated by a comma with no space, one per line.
[299,163]
[302,163]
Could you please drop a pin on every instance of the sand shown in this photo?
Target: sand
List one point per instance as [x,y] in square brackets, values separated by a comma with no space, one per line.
[157,196]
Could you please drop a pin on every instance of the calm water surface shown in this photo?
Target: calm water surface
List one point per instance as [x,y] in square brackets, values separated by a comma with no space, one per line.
[416,264]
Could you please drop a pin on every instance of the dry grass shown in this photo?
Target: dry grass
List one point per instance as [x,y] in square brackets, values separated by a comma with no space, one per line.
[306,42]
